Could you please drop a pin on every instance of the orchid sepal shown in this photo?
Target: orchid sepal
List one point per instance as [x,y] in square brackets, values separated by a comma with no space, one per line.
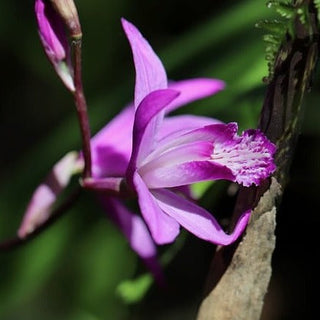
[44,197]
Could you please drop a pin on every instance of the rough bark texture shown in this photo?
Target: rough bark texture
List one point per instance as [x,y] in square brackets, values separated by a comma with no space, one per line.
[246,280]
[239,275]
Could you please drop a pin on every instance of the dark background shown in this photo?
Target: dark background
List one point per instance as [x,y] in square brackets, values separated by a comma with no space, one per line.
[74,269]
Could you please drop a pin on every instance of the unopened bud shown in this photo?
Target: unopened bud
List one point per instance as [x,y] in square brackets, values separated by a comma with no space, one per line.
[54,38]
[67,10]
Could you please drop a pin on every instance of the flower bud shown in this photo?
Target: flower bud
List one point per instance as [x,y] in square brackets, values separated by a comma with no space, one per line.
[54,40]
[68,12]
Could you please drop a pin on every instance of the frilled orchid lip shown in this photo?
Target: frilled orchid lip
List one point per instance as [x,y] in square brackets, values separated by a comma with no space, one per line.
[249,156]
[210,153]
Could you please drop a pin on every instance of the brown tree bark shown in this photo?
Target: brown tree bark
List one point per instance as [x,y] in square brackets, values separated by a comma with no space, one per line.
[239,275]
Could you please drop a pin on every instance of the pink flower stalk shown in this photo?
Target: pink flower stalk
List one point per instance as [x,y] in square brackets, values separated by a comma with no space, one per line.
[55,41]
[157,157]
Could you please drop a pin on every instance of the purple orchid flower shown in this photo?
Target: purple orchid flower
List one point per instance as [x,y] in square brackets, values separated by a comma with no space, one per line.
[54,41]
[169,155]
[158,157]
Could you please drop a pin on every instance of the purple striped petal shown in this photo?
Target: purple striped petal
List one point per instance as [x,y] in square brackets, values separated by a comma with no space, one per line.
[136,233]
[179,125]
[154,173]
[192,151]
[209,133]
[111,146]
[163,228]
[186,159]
[186,173]
[197,220]
[192,90]
[145,126]
[150,73]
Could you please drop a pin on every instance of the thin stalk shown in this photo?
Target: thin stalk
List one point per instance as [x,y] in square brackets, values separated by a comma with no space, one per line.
[81,106]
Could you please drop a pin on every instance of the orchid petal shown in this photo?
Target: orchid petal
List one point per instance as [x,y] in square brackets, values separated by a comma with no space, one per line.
[186,158]
[186,173]
[136,232]
[145,130]
[210,133]
[193,89]
[111,146]
[51,30]
[181,124]
[133,228]
[197,220]
[43,198]
[154,172]
[150,73]
[163,228]
[249,157]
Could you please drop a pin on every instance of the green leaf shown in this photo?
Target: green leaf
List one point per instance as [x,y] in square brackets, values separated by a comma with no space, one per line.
[132,291]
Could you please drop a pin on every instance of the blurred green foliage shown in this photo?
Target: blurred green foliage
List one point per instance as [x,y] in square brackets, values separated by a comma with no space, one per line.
[75,270]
